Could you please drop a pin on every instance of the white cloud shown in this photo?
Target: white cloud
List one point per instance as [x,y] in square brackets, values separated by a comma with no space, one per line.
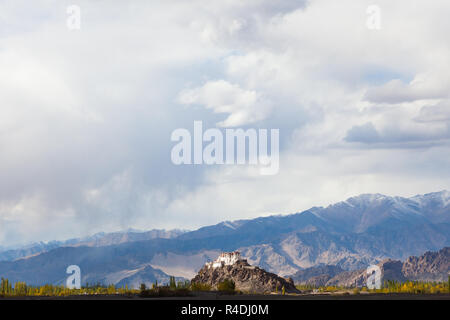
[86,116]
[243,106]
[422,87]
[439,112]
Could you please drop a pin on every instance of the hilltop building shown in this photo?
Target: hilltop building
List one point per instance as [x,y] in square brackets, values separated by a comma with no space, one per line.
[225,259]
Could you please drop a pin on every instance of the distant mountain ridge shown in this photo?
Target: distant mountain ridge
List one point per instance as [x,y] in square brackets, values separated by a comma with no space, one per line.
[351,235]
[96,240]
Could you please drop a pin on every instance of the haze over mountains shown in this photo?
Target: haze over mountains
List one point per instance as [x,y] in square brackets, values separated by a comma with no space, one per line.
[96,240]
[349,235]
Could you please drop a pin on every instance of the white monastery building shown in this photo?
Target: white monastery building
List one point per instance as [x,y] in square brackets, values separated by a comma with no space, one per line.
[225,259]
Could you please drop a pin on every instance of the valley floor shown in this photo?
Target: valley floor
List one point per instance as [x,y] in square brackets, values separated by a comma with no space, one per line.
[217,296]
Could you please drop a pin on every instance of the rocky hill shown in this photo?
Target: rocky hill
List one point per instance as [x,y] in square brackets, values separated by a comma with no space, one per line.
[247,278]
[391,270]
[431,266]
[316,276]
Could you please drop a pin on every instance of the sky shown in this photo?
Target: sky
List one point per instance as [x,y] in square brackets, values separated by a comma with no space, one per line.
[86,114]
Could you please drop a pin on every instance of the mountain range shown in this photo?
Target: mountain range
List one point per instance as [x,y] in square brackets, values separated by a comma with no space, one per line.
[97,240]
[348,235]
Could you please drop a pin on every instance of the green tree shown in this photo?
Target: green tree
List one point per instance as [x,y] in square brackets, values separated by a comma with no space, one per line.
[20,289]
[198,286]
[227,286]
[172,283]
[5,287]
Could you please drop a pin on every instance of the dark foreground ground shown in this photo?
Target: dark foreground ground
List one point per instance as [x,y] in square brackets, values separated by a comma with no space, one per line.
[217,296]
